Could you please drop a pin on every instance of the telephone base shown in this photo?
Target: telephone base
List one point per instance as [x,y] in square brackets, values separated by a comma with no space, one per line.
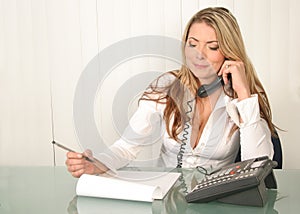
[242,183]
[256,196]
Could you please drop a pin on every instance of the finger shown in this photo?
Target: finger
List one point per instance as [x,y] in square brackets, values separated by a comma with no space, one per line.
[78,173]
[225,67]
[75,161]
[77,167]
[226,74]
[88,153]
[74,155]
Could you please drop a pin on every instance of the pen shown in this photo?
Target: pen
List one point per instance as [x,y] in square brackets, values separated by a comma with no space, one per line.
[70,150]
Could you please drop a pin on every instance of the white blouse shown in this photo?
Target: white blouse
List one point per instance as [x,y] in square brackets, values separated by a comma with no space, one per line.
[214,149]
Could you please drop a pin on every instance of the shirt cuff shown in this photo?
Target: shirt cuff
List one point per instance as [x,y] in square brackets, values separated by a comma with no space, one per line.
[247,110]
[108,161]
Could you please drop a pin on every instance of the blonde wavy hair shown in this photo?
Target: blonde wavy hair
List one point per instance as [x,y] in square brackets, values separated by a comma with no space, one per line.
[232,47]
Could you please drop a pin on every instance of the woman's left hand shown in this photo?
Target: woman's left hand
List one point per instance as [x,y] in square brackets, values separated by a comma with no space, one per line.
[238,77]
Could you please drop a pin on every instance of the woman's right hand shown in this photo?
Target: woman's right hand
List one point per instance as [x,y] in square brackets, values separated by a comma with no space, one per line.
[78,165]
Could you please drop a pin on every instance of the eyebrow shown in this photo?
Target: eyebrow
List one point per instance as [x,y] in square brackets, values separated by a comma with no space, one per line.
[208,42]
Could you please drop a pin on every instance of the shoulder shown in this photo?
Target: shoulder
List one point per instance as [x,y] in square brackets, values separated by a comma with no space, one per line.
[165,79]
[159,88]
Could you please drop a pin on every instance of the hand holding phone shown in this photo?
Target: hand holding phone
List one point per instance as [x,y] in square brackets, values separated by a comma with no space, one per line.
[234,71]
[207,89]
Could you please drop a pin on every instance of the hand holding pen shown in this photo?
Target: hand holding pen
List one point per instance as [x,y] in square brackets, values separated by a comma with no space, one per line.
[82,163]
[84,155]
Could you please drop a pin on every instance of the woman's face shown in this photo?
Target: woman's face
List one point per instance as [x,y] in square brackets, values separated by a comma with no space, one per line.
[203,56]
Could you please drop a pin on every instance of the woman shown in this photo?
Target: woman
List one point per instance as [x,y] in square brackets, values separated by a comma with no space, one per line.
[199,129]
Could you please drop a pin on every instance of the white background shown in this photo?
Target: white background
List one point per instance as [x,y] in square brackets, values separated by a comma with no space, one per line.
[46,44]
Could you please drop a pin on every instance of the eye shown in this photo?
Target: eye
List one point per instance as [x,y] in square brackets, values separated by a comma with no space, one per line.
[192,45]
[214,48]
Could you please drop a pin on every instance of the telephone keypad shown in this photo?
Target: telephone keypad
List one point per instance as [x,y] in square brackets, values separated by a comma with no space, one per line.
[233,179]
[227,175]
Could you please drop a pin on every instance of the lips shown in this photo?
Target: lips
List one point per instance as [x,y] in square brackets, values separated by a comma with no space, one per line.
[201,66]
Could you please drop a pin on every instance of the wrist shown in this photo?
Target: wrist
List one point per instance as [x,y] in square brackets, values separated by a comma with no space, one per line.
[243,94]
[99,168]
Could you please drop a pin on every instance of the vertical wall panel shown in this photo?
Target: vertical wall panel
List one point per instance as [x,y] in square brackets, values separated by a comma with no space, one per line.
[226,3]
[243,10]
[155,26]
[260,45]
[9,85]
[292,94]
[207,3]
[88,30]
[284,105]
[256,19]
[114,25]
[294,43]
[46,40]
[188,9]
[278,66]
[65,65]
[172,23]
[41,83]
[74,44]
[172,18]
[25,116]
[156,13]
[2,51]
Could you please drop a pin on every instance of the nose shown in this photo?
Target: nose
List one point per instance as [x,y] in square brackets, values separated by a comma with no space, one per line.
[201,53]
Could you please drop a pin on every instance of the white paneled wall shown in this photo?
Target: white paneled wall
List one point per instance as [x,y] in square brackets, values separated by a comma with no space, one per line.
[46,44]
[25,126]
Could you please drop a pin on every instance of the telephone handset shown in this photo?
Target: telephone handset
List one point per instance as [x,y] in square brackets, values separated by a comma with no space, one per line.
[207,89]
[242,183]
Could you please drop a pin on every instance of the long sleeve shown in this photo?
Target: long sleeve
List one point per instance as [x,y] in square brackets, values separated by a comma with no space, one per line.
[255,136]
[145,127]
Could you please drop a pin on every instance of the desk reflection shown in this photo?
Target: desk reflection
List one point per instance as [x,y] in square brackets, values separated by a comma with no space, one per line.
[174,202]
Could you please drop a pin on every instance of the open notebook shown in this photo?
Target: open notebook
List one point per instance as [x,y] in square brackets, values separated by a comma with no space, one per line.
[128,185]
